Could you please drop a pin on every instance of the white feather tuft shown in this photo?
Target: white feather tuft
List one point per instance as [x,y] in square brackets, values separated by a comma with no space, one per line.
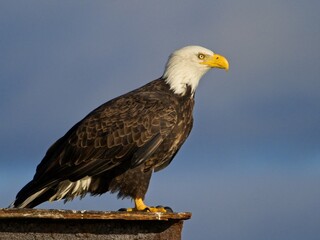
[69,190]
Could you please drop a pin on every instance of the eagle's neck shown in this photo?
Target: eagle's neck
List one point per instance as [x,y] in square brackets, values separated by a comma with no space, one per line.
[182,75]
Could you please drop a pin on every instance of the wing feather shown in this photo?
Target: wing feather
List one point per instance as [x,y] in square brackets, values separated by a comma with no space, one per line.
[127,129]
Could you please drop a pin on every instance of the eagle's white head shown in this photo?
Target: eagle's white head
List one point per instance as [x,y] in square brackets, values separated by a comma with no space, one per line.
[187,65]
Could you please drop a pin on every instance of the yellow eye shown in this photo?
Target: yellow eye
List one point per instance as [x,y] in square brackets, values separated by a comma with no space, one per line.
[201,56]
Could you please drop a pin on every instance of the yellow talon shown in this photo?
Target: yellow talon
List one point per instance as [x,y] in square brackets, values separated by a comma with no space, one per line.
[140,206]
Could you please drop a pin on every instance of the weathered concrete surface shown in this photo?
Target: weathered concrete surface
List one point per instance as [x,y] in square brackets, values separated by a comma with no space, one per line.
[65,224]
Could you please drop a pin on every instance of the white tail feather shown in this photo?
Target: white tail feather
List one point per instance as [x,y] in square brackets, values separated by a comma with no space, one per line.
[30,199]
[69,190]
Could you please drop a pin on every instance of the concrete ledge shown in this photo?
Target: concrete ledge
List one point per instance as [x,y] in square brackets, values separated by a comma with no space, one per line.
[68,224]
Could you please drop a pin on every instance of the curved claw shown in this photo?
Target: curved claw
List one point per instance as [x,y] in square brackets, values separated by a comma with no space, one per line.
[123,210]
[156,209]
[168,209]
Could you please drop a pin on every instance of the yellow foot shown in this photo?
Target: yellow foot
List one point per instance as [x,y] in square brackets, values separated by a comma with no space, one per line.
[147,209]
[140,206]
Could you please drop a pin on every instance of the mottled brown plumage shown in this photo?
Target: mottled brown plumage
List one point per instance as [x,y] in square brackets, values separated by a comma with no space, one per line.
[118,145]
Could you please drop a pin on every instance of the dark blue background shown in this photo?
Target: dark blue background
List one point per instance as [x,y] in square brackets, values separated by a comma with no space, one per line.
[251,166]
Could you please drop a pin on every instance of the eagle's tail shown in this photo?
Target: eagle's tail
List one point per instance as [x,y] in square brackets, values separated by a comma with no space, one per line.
[34,193]
[31,195]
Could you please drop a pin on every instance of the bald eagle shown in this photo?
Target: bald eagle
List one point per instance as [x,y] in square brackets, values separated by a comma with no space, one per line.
[118,146]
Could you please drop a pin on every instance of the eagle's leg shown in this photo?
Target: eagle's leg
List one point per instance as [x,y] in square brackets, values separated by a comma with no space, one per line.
[134,183]
[140,206]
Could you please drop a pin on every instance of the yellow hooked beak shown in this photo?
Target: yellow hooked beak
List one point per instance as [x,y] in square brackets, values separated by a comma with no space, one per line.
[216,61]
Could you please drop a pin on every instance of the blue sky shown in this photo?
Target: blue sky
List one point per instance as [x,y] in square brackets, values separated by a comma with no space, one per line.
[251,166]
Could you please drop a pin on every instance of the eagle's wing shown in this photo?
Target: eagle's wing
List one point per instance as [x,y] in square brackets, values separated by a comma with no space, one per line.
[127,129]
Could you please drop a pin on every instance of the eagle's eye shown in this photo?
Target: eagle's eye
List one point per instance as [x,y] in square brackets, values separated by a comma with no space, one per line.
[201,56]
